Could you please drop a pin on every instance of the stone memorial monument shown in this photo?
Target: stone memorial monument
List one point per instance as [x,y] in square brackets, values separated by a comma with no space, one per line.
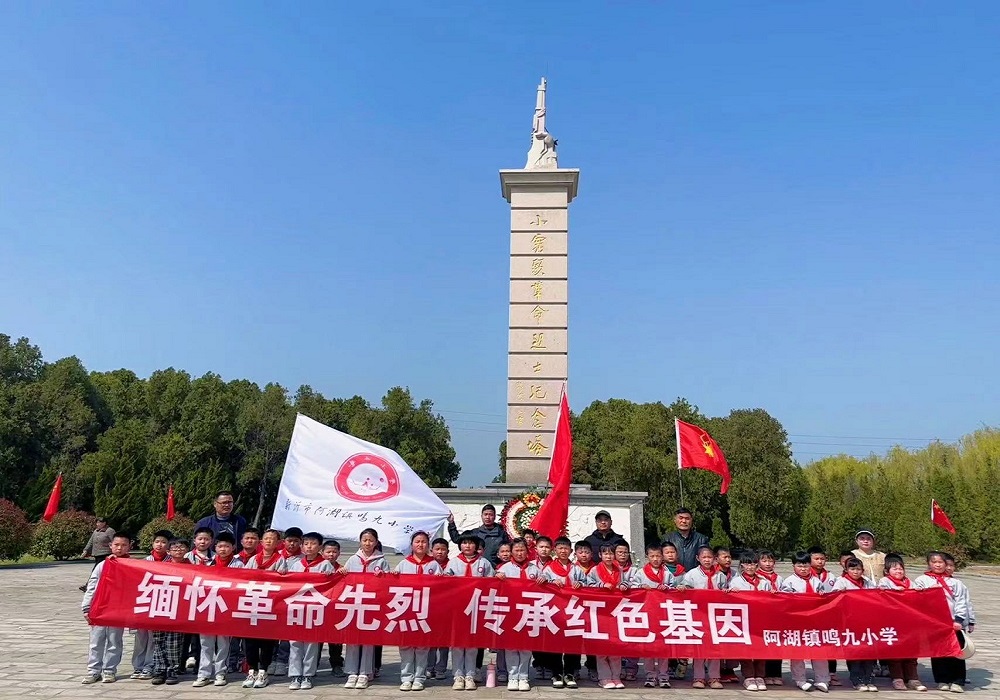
[538,349]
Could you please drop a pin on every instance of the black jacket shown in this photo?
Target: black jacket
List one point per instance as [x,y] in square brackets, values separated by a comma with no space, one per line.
[597,538]
[492,539]
[687,547]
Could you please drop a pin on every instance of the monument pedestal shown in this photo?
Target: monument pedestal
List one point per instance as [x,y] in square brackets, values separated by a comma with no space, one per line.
[625,508]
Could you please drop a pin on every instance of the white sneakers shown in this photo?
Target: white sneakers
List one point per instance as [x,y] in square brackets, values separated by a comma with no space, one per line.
[362,682]
[470,682]
[406,686]
[201,682]
[523,686]
[261,681]
[251,679]
[459,683]
[511,685]
[305,683]
[220,680]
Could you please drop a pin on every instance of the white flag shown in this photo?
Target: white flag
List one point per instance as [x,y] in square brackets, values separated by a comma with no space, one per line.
[338,485]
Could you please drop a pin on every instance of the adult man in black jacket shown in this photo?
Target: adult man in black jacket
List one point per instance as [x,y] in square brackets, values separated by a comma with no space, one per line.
[489,532]
[603,534]
[686,539]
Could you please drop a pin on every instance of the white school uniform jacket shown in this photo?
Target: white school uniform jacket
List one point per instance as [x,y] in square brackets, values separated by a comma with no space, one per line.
[513,570]
[159,561]
[697,578]
[358,564]
[554,573]
[588,576]
[275,562]
[460,566]
[234,563]
[828,578]
[797,584]
[88,596]
[759,583]
[889,583]
[843,583]
[774,579]
[197,559]
[645,576]
[956,593]
[319,565]
[409,565]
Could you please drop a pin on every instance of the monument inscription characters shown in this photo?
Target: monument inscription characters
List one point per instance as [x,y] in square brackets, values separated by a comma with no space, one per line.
[538,341]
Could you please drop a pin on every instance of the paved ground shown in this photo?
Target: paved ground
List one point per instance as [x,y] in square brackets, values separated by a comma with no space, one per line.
[43,642]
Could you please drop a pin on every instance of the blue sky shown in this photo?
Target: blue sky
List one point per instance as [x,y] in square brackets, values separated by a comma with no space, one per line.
[784,205]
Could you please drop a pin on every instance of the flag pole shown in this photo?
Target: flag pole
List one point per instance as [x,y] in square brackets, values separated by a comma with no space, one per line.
[680,468]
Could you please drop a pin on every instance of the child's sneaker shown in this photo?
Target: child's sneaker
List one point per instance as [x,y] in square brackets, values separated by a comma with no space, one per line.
[417,686]
[650,682]
[805,686]
[523,686]
[570,680]
[698,684]
[352,681]
[362,682]
[824,688]
[501,677]
[557,681]
[715,684]
[91,678]
[136,675]
[916,685]
[108,677]
[172,678]
[190,664]
[305,683]
[158,679]
[459,683]
[834,680]
[201,682]
[664,681]
[608,684]
[251,679]
[511,685]
[295,684]
[261,681]
[431,674]
[619,685]
[145,675]
[338,672]
[220,680]
[470,682]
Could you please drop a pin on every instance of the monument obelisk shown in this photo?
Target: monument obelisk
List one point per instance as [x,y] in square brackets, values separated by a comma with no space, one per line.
[538,347]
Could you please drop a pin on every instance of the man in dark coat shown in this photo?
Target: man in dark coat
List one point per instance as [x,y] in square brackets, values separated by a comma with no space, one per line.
[492,534]
[603,534]
[686,539]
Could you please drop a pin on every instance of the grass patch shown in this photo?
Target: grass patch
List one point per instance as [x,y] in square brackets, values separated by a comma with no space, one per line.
[26,559]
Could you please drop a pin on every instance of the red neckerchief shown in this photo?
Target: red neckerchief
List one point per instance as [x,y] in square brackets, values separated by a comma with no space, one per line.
[307,565]
[771,576]
[808,580]
[468,563]
[245,556]
[821,574]
[903,582]
[366,562]
[755,581]
[942,580]
[677,570]
[614,577]
[159,557]
[542,564]
[856,584]
[419,564]
[559,568]
[224,564]
[261,564]
[199,559]
[710,576]
[728,574]
[654,575]
[521,568]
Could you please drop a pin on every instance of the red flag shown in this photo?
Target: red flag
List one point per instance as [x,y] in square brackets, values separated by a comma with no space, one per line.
[170,503]
[53,505]
[696,449]
[940,518]
[550,520]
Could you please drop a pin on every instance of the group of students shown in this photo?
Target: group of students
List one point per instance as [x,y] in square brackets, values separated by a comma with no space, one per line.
[158,656]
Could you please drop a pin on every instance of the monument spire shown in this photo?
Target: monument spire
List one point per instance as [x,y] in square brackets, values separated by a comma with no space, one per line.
[542,153]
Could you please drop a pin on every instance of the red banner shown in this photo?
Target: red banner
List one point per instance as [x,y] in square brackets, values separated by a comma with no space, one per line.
[507,614]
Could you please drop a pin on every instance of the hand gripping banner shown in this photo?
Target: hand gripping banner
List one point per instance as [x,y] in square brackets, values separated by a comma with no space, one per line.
[439,611]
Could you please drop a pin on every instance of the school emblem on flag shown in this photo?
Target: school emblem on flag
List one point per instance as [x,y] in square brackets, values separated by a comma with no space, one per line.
[367,478]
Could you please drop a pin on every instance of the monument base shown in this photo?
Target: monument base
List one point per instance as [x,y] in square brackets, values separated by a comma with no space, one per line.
[625,508]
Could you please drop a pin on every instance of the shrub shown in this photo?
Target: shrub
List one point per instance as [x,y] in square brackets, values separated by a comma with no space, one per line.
[719,537]
[65,536]
[181,526]
[15,531]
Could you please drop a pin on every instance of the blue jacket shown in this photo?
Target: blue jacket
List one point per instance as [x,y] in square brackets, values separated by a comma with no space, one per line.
[235,524]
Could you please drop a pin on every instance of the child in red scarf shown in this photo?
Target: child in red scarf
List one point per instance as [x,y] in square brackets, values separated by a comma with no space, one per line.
[750,580]
[902,671]
[467,563]
[609,575]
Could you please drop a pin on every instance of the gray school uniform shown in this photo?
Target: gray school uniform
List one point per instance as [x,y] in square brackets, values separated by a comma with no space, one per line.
[194,558]
[959,601]
[890,584]
[820,668]
[413,660]
[463,661]
[143,647]
[843,584]
[214,658]
[512,570]
[573,576]
[303,657]
[105,642]
[641,578]
[697,578]
[276,563]
[740,583]
[358,659]
[517,662]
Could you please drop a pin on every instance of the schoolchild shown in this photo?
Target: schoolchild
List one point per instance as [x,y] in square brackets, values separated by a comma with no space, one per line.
[561,572]
[802,581]
[250,545]
[358,658]
[467,563]
[437,658]
[950,567]
[215,648]
[947,670]
[765,569]
[608,574]
[750,580]
[291,549]
[199,555]
[413,660]
[520,568]
[143,648]
[902,671]
[654,575]
[105,642]
[623,555]
[167,646]
[862,672]
[260,652]
[707,577]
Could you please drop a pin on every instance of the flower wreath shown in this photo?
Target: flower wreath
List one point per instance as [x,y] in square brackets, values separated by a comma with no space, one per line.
[519,511]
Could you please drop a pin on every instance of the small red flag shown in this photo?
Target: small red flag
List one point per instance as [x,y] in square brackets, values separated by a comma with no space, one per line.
[550,520]
[170,503]
[940,518]
[697,450]
[52,507]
